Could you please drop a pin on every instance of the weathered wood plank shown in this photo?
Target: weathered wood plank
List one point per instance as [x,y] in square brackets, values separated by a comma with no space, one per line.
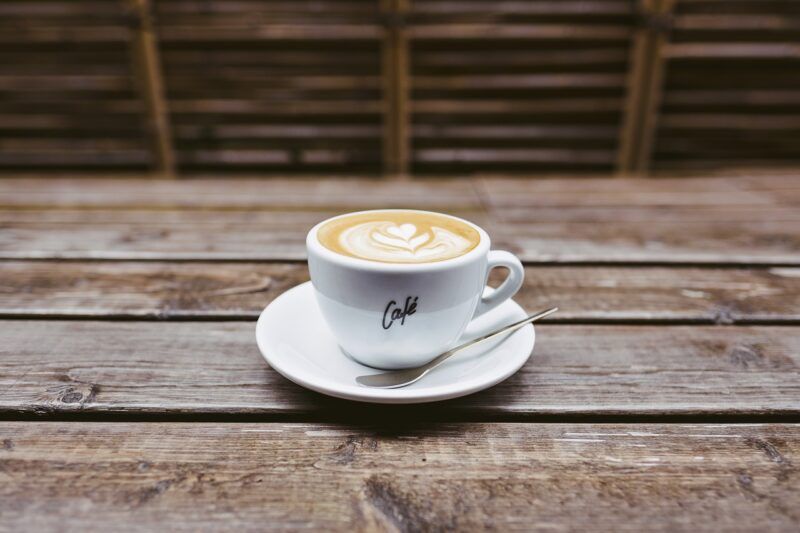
[649,235]
[667,220]
[402,478]
[722,188]
[61,367]
[329,193]
[742,220]
[172,234]
[728,234]
[180,290]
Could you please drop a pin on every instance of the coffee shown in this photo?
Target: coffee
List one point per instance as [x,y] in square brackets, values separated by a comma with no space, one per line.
[399,236]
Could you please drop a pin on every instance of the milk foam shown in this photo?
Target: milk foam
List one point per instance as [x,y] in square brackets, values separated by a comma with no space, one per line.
[387,241]
[399,236]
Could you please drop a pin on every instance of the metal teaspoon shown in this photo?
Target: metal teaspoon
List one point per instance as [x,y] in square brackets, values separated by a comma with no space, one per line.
[401,378]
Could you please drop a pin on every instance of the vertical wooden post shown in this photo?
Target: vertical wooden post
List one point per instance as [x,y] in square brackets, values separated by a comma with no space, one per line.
[148,73]
[640,58]
[395,65]
[660,30]
[644,87]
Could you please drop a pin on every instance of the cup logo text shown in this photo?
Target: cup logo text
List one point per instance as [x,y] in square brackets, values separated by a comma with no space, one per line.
[394,312]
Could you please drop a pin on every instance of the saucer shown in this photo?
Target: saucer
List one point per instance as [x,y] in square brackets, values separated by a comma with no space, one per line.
[295,340]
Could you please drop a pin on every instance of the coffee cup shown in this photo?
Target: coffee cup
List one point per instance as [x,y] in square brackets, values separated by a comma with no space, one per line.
[398,287]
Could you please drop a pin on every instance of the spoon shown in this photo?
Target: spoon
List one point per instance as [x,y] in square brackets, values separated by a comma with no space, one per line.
[401,378]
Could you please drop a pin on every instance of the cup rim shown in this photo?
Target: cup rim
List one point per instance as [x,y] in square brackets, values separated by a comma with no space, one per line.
[313,245]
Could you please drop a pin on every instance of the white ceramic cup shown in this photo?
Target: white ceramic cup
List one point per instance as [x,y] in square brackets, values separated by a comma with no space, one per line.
[392,315]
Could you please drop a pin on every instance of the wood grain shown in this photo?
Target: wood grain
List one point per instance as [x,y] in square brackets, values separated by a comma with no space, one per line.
[269,234]
[209,193]
[719,190]
[669,220]
[742,220]
[402,478]
[727,236]
[732,235]
[731,188]
[242,290]
[182,368]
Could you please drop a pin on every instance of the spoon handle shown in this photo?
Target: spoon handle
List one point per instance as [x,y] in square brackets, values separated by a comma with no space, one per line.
[401,378]
[511,327]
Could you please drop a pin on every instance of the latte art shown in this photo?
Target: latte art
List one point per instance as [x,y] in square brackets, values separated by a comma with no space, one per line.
[385,241]
[399,236]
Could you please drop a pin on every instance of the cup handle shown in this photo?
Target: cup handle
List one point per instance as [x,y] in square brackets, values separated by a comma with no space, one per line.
[509,287]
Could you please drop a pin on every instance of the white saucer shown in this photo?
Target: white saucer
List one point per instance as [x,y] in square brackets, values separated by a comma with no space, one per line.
[295,341]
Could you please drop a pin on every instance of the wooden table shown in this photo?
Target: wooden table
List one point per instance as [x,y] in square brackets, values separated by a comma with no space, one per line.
[664,395]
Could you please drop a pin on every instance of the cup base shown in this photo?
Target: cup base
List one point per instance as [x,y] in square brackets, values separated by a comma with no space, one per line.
[368,365]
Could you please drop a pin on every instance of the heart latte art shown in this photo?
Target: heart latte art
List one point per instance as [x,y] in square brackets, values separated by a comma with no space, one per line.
[399,236]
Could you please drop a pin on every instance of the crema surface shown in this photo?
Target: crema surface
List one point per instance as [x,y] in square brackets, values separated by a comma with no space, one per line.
[399,236]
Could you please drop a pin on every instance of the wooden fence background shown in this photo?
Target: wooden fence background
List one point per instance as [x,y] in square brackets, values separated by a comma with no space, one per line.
[399,86]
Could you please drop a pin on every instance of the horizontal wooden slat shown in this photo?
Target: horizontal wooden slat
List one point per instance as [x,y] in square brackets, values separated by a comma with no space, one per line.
[181,290]
[215,368]
[404,478]
[538,65]
[521,60]
[278,32]
[730,75]
[520,31]
[93,9]
[65,35]
[730,86]
[732,50]
[261,65]
[514,8]
[543,106]
[308,108]
[66,74]
[573,158]
[533,81]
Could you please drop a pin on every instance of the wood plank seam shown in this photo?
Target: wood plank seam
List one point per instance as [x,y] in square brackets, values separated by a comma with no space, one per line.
[250,317]
[215,369]
[442,477]
[239,291]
